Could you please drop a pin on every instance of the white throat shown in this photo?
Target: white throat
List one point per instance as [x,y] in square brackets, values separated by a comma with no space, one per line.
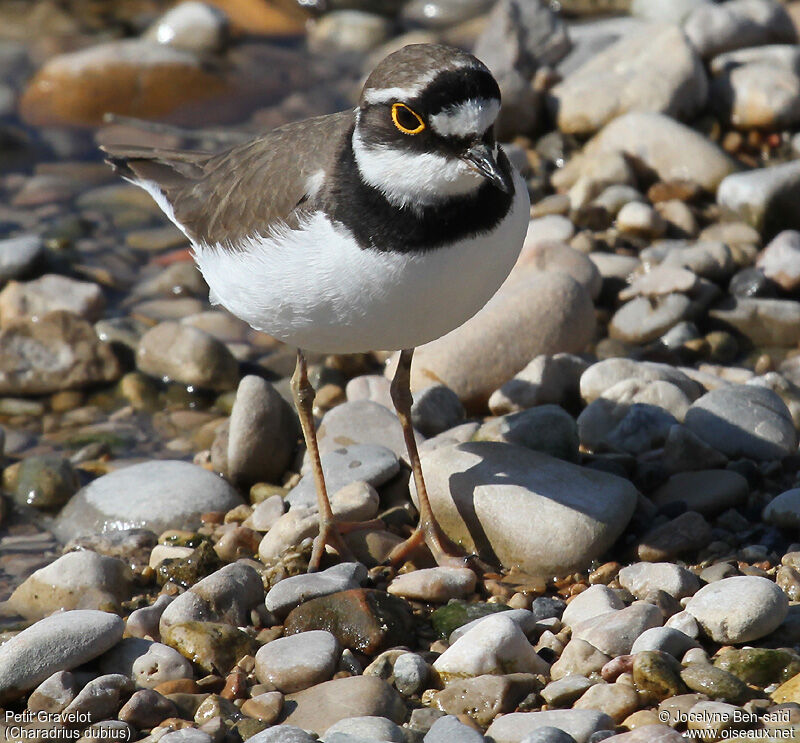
[409,179]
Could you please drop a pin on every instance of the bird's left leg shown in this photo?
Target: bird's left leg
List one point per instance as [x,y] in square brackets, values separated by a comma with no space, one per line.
[445,552]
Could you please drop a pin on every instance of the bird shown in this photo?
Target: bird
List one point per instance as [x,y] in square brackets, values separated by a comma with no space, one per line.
[378,228]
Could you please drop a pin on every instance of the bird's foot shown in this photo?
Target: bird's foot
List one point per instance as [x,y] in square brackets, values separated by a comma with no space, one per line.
[445,552]
[331,534]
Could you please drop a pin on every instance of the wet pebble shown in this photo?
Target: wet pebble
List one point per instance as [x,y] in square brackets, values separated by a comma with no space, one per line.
[297,662]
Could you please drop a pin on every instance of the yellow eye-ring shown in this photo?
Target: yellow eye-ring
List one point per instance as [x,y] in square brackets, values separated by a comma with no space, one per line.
[407,120]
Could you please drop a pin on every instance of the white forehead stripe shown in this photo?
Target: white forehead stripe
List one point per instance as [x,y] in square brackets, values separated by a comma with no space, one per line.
[385,95]
[469,118]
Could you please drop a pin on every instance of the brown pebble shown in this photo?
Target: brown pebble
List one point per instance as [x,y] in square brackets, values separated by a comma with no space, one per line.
[681,190]
[265,707]
[175,723]
[177,686]
[497,588]
[616,667]
[605,573]
[764,364]
[577,588]
[238,514]
[235,685]
[213,517]
[211,684]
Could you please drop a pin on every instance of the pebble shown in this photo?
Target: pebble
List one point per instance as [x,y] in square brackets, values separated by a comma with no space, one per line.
[618,701]
[581,108]
[715,683]
[615,633]
[185,354]
[318,708]
[533,313]
[265,707]
[59,351]
[665,11]
[664,640]
[437,585]
[348,31]
[744,421]
[603,375]
[709,492]
[546,230]
[143,623]
[19,255]
[483,698]
[76,580]
[50,293]
[643,320]
[565,691]
[669,148]
[436,409]
[548,734]
[780,260]
[643,578]
[262,433]
[685,533]
[595,505]
[228,595]
[54,693]
[410,674]
[784,510]
[366,728]
[762,197]
[194,26]
[59,642]
[739,609]
[295,663]
[282,734]
[363,620]
[714,29]
[100,698]
[659,281]
[156,495]
[523,618]
[295,590]
[146,709]
[579,723]
[46,481]
[546,428]
[342,466]
[593,602]
[449,728]
[494,646]
[552,255]
[553,379]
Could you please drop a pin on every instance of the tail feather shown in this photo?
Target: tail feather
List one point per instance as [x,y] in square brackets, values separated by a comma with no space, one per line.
[166,168]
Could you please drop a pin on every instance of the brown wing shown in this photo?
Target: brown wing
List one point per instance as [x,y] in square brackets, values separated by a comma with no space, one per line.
[222,198]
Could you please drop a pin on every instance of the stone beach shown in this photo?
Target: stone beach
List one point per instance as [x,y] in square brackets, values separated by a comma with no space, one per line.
[614,435]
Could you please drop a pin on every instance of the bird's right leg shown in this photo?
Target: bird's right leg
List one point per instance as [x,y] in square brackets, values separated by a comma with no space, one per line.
[329,531]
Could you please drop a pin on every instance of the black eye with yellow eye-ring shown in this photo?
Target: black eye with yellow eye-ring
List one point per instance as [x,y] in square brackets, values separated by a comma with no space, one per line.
[407,120]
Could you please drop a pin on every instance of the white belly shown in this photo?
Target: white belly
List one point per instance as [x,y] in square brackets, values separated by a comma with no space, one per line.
[315,289]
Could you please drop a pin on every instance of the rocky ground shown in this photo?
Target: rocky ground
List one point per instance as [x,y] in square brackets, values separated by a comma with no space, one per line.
[615,433]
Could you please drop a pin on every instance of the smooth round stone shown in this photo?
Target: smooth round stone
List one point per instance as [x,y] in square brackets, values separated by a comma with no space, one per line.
[448,729]
[157,495]
[494,646]
[294,663]
[54,693]
[297,589]
[59,642]
[76,580]
[434,584]
[593,602]
[603,375]
[373,387]
[101,697]
[533,313]
[784,510]
[342,466]
[265,513]
[265,707]
[643,320]
[714,29]
[144,622]
[289,531]
[739,609]
[764,321]
[45,481]
[18,255]
[548,229]
[640,219]
[763,197]
[532,516]
[565,691]
[523,618]
[547,379]
[615,633]
[147,663]
[227,595]
[283,734]
[57,352]
[553,255]
[146,709]
[442,13]
[262,433]
[653,69]
[578,658]
[193,735]
[671,149]
[190,25]
[758,95]
[548,735]
[410,674]
[744,421]
[436,409]
[368,728]
[185,354]
[579,723]
[323,705]
[709,492]
[665,640]
[33,299]
[660,281]
[649,734]
[780,260]
[616,700]
[348,31]
[646,577]
[668,11]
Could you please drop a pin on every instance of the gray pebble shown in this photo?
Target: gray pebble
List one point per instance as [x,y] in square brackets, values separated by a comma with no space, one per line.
[449,729]
[436,409]
[410,674]
[295,590]
[548,735]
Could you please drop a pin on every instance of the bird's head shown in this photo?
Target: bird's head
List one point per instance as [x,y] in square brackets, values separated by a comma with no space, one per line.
[424,127]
